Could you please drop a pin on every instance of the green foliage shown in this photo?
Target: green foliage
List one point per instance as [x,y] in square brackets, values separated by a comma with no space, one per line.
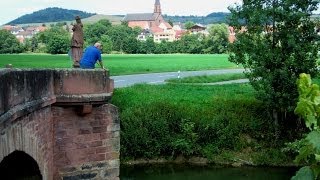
[304,173]
[215,17]
[189,24]
[308,105]
[275,42]
[173,120]
[56,39]
[9,43]
[105,22]
[147,47]
[308,108]
[93,32]
[270,157]
[106,44]
[208,78]
[58,44]
[185,143]
[217,41]
[190,43]
[123,38]
[53,14]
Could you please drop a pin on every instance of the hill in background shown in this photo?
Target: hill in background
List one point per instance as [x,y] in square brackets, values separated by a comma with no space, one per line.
[52,14]
[215,17]
[114,19]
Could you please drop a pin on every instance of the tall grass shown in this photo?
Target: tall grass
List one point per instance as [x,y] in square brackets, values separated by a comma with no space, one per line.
[172,120]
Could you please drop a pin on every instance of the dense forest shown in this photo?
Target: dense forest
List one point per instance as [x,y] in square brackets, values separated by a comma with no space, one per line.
[213,18]
[52,14]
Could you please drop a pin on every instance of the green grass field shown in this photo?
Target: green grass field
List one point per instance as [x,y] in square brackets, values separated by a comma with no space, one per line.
[208,78]
[119,64]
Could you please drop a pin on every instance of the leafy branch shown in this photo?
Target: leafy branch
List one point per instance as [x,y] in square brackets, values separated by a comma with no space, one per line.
[308,107]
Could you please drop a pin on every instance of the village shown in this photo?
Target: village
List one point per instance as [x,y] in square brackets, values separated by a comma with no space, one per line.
[152,25]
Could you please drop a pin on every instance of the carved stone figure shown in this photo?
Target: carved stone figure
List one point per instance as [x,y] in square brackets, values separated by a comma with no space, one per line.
[77,42]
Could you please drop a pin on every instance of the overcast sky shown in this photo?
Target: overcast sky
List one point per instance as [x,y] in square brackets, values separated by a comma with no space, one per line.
[12,9]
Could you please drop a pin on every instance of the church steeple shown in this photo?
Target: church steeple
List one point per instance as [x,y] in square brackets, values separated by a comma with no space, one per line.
[157,7]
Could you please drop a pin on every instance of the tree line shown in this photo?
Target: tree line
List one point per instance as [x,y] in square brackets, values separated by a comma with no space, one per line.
[118,39]
[213,18]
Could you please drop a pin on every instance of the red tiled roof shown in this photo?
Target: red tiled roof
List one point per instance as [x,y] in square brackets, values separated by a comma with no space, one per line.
[167,25]
[142,24]
[8,27]
[156,29]
[179,33]
[42,28]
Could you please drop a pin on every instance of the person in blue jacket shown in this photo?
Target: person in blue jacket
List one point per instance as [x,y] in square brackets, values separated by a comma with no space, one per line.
[91,56]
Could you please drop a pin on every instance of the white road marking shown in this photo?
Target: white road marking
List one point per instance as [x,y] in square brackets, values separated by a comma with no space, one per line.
[167,76]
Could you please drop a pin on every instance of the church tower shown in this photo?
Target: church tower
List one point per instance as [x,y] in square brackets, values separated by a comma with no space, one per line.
[157,7]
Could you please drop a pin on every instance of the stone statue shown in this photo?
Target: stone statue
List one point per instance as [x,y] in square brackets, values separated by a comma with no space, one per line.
[77,42]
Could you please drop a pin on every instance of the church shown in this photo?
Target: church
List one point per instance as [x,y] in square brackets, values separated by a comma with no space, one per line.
[154,22]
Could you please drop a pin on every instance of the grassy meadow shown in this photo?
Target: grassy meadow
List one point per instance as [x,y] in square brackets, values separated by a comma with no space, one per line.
[120,64]
[208,78]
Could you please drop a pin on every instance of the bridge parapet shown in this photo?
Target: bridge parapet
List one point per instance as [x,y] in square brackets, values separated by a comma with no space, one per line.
[23,91]
[63,119]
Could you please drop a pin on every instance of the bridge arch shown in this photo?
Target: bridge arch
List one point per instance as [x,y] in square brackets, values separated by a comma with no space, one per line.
[30,134]
[18,165]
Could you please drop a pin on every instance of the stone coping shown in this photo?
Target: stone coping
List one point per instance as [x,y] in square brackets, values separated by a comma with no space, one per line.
[23,91]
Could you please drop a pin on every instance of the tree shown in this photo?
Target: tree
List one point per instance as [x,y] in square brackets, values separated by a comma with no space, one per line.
[58,44]
[190,43]
[124,38]
[188,25]
[275,42]
[147,47]
[93,32]
[34,44]
[170,22]
[105,22]
[9,43]
[106,43]
[56,39]
[217,41]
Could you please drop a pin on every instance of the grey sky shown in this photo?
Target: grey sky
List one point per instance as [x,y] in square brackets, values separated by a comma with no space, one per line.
[12,9]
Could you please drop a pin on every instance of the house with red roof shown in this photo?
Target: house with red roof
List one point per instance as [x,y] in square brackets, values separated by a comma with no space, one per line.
[154,22]
[23,33]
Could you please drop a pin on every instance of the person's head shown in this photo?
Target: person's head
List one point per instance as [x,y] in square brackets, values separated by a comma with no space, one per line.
[78,20]
[98,45]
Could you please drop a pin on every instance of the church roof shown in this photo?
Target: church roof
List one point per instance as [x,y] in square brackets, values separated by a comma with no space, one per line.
[139,17]
[157,2]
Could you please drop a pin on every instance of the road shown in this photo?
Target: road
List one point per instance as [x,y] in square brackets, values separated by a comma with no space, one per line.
[159,78]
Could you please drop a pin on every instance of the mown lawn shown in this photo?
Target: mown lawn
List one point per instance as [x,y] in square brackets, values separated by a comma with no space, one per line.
[119,64]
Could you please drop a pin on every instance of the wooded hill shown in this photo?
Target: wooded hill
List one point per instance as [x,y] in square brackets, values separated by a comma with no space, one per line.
[52,14]
[216,17]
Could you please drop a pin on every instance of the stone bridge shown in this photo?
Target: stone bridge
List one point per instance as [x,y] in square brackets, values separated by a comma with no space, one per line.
[58,124]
